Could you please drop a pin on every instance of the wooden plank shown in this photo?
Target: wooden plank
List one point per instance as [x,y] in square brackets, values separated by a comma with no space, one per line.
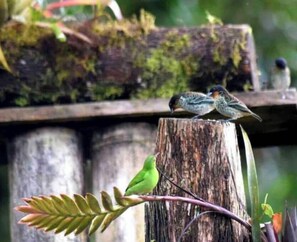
[262,101]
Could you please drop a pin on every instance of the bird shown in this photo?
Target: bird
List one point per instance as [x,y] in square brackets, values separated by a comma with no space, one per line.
[146,179]
[228,105]
[193,102]
[280,76]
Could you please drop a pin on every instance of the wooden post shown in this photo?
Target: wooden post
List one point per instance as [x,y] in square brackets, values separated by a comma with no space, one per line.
[118,153]
[44,161]
[202,157]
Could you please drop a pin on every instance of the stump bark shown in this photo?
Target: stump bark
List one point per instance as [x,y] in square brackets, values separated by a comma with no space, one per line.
[118,153]
[202,157]
[42,162]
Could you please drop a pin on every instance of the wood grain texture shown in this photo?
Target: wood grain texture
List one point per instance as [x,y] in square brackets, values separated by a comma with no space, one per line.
[118,153]
[43,162]
[203,157]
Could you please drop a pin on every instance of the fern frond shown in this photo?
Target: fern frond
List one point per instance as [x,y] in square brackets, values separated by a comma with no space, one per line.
[65,214]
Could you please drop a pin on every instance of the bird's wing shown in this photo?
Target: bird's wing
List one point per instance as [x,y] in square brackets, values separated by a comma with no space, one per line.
[236,104]
[140,176]
[200,100]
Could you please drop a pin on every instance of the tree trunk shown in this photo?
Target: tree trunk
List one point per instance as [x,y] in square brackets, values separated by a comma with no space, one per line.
[124,61]
[202,157]
[44,161]
[118,153]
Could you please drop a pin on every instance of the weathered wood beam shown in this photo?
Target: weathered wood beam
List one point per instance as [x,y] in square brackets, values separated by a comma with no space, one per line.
[262,101]
[126,60]
[279,115]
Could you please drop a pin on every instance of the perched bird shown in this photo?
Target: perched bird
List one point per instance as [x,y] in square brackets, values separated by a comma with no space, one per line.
[193,102]
[228,105]
[280,76]
[146,179]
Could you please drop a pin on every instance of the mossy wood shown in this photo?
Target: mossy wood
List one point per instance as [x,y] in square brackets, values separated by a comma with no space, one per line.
[202,157]
[128,59]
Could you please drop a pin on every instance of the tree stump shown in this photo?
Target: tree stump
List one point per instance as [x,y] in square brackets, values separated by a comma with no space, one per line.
[117,154]
[43,162]
[202,157]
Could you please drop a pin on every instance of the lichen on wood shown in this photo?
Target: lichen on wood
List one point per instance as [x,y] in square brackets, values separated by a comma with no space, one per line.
[128,59]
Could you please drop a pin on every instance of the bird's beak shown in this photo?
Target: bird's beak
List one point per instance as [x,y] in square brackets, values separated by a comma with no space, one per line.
[209,94]
[172,110]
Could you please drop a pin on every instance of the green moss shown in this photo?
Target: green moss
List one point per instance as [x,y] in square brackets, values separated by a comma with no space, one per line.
[119,33]
[166,71]
[23,35]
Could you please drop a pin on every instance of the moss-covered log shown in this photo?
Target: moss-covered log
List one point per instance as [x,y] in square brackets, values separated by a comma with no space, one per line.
[127,59]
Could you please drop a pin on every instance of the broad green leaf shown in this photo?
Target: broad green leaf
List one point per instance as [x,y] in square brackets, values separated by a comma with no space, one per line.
[111,217]
[82,204]
[70,204]
[106,201]
[84,223]
[93,203]
[64,224]
[96,223]
[38,219]
[60,205]
[49,204]
[41,204]
[46,221]
[118,196]
[73,225]
[252,187]
[54,223]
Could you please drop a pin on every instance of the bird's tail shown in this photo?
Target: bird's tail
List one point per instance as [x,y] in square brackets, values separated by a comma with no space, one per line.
[256,116]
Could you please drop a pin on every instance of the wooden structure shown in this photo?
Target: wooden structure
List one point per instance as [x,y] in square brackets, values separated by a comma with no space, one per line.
[202,157]
[90,147]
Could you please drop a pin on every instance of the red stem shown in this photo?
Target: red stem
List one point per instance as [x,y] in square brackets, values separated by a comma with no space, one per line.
[211,206]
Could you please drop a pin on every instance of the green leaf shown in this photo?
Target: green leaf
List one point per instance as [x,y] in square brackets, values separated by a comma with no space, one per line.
[82,204]
[60,205]
[111,217]
[49,204]
[118,196]
[41,204]
[64,224]
[106,201]
[96,223]
[84,223]
[252,187]
[54,223]
[70,204]
[267,209]
[45,222]
[73,225]
[93,203]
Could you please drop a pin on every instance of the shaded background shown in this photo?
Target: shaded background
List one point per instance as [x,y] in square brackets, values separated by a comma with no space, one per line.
[275,32]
